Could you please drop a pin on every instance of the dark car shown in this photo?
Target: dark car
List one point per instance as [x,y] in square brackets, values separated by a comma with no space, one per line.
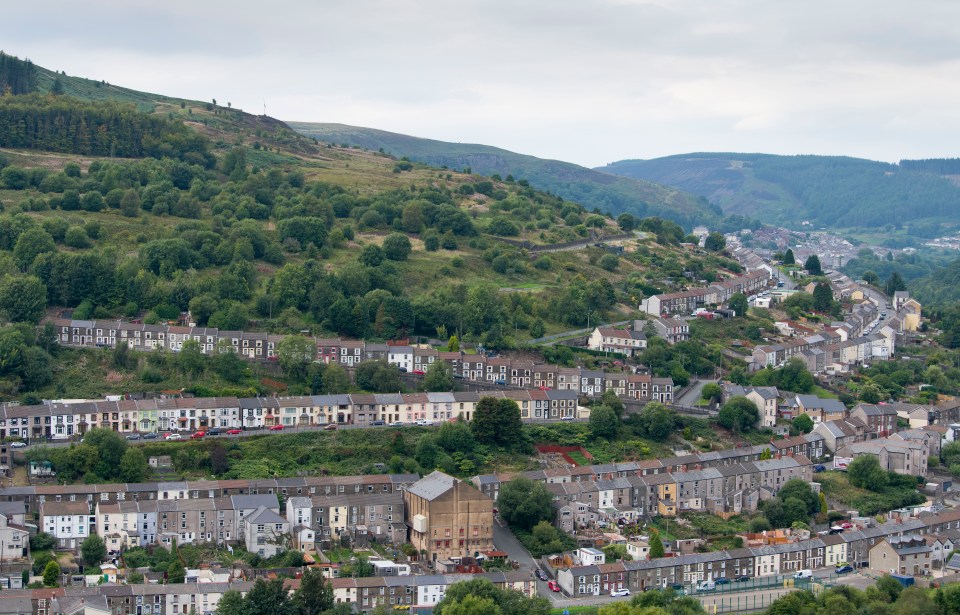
[741,579]
[151,436]
[843,569]
[819,468]
[541,574]
[722,581]
[214,432]
[402,370]
[133,436]
[377,423]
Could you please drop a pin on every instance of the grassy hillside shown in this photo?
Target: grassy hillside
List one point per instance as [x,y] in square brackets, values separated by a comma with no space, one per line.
[836,192]
[572,182]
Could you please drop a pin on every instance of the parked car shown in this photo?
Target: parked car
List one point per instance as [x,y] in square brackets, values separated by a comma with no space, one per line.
[619,592]
[743,578]
[819,468]
[419,372]
[234,432]
[403,370]
[330,427]
[396,424]
[151,436]
[679,589]
[133,436]
[722,581]
[424,422]
[197,435]
[276,427]
[173,436]
[214,432]
[706,586]
[541,574]
[843,569]
[803,574]
[553,585]
[846,525]
[18,444]
[377,423]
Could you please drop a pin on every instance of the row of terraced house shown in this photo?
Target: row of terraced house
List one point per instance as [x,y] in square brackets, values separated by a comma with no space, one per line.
[350,353]
[732,481]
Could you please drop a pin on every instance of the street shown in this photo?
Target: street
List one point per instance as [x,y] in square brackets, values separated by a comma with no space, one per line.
[691,396]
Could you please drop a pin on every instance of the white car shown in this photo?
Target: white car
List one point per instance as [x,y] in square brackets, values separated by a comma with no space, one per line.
[803,574]
[173,436]
[18,445]
[619,592]
[706,586]
[424,422]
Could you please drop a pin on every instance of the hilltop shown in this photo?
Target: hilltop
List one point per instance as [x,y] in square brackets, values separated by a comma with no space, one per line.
[593,190]
[152,209]
[828,191]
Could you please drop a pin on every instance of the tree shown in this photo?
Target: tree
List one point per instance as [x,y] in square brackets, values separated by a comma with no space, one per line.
[604,422]
[232,603]
[497,422]
[803,423]
[295,353]
[822,297]
[739,304]
[51,574]
[812,265]
[865,472]
[190,359]
[788,257]
[656,544]
[655,421]
[378,376]
[371,255]
[314,595]
[711,391]
[32,243]
[472,605]
[894,284]
[22,299]
[524,503]
[42,541]
[396,247]
[439,377]
[108,448]
[453,344]
[509,602]
[176,572]
[715,242]
[336,380]
[823,503]
[133,465]
[739,414]
[93,550]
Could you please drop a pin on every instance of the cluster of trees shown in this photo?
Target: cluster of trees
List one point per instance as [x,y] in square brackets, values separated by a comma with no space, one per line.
[103,456]
[481,597]
[527,507]
[313,597]
[792,377]
[739,414]
[847,192]
[64,124]
[17,76]
[795,504]
[655,602]
[887,490]
[886,597]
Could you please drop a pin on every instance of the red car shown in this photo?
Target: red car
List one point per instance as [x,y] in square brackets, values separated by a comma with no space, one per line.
[234,432]
[276,428]
[419,372]
[197,435]
[553,585]
[330,427]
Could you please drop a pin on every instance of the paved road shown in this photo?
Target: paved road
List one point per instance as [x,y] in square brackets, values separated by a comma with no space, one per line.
[691,396]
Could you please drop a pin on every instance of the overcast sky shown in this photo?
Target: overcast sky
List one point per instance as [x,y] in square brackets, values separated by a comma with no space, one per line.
[589,81]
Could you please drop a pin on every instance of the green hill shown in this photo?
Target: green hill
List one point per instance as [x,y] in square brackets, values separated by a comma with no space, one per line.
[593,190]
[828,191]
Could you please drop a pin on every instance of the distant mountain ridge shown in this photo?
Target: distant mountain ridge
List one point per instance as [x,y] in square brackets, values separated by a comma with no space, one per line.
[572,182]
[831,191]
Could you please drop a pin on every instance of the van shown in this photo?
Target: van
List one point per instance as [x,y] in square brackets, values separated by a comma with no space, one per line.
[706,586]
[803,574]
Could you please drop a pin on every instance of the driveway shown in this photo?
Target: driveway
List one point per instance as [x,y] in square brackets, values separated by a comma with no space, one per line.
[692,395]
